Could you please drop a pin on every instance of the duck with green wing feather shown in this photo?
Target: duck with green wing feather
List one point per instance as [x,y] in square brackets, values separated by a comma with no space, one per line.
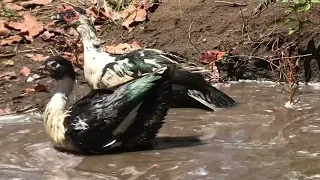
[104,70]
[105,120]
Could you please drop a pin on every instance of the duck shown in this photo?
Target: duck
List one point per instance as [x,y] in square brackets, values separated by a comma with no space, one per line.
[105,70]
[105,120]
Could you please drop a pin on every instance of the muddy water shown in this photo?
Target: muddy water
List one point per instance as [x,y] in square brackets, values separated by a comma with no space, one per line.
[258,139]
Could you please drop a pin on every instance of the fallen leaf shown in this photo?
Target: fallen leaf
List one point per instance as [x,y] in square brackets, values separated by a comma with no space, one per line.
[10,40]
[8,75]
[122,48]
[133,14]
[3,30]
[211,56]
[36,57]
[46,35]
[13,6]
[135,45]
[30,25]
[36,2]
[25,71]
[8,63]
[52,27]
[4,111]
[37,88]
[71,57]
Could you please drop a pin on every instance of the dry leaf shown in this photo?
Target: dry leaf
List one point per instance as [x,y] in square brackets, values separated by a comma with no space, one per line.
[36,57]
[8,63]
[46,35]
[30,25]
[133,13]
[37,88]
[122,48]
[36,2]
[8,75]
[135,45]
[211,56]
[25,71]
[51,27]
[13,6]
[4,111]
[10,40]
[3,30]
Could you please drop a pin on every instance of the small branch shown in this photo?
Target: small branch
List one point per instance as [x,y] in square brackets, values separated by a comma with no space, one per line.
[189,38]
[232,4]
[69,3]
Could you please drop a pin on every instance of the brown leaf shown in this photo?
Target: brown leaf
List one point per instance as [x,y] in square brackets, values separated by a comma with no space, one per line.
[8,1]
[4,111]
[25,71]
[122,48]
[13,6]
[52,27]
[36,57]
[135,45]
[141,15]
[37,88]
[8,75]
[133,13]
[30,25]
[3,30]
[10,40]
[46,35]
[8,63]
[41,88]
[211,56]
[37,2]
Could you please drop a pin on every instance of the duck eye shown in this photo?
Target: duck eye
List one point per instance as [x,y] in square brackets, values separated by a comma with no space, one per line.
[54,64]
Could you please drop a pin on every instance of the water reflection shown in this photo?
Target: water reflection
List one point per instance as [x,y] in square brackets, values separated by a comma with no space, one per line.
[258,139]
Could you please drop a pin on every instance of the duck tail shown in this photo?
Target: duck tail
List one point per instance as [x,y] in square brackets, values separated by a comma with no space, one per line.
[201,90]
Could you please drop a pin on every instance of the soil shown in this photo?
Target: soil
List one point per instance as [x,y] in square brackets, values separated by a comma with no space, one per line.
[217,26]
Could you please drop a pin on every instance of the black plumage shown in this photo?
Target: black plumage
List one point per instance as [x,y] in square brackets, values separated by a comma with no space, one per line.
[127,118]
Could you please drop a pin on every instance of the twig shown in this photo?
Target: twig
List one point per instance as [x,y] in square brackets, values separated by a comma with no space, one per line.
[68,3]
[7,55]
[267,58]
[291,57]
[106,8]
[81,2]
[189,38]
[232,4]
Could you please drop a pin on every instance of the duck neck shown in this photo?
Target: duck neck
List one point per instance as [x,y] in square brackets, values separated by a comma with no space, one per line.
[95,58]
[91,42]
[55,112]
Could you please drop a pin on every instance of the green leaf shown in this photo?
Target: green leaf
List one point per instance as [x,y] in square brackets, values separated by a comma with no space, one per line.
[289,20]
[305,7]
[292,31]
[288,11]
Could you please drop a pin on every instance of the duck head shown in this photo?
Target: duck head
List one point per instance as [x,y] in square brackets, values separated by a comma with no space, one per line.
[58,68]
[71,16]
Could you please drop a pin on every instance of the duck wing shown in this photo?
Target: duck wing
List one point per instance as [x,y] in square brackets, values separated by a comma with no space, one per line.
[140,62]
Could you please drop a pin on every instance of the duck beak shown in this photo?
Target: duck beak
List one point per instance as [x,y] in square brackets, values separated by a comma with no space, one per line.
[42,70]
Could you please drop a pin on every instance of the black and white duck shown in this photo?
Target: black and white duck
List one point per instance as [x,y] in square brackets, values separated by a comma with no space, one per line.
[104,70]
[126,118]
